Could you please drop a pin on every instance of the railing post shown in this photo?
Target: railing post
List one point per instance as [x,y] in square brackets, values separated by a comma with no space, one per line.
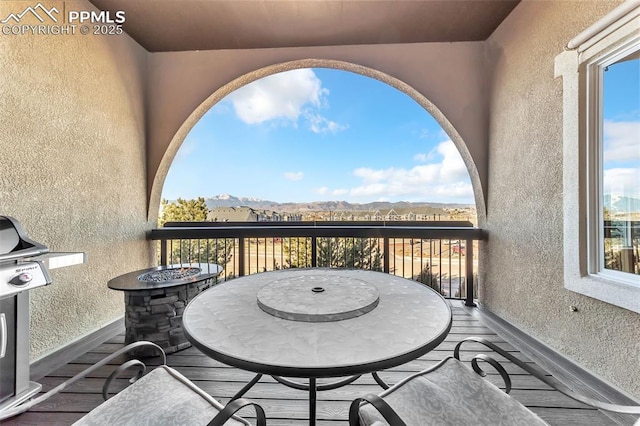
[314,252]
[240,257]
[163,251]
[469,254]
[385,254]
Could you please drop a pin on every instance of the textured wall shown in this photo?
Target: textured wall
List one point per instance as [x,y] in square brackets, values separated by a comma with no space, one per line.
[72,154]
[448,75]
[522,263]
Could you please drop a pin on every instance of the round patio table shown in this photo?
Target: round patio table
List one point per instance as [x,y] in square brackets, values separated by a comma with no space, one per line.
[317,323]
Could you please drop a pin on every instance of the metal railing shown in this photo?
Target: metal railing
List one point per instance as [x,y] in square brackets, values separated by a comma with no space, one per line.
[439,254]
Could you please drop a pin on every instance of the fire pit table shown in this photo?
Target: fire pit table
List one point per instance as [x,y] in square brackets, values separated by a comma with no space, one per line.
[155,299]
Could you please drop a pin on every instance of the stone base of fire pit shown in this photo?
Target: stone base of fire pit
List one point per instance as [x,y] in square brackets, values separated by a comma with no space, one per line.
[155,299]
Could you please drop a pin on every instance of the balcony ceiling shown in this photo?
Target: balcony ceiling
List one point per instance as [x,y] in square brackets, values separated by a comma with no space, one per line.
[178,25]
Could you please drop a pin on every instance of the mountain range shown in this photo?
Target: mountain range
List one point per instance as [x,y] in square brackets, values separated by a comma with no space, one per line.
[226,200]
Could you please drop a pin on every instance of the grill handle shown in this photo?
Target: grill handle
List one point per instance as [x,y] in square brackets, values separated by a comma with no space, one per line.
[3,335]
[13,232]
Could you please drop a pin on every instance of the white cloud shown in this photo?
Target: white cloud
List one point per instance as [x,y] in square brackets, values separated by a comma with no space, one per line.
[320,124]
[622,181]
[452,167]
[421,157]
[285,96]
[444,180]
[281,95]
[294,176]
[323,190]
[621,140]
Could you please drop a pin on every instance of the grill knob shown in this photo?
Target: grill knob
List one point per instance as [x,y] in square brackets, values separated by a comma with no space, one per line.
[21,279]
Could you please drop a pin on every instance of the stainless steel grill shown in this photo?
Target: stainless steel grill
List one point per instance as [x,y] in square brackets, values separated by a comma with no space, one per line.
[18,273]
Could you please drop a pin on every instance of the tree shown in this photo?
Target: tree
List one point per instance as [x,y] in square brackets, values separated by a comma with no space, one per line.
[359,253]
[334,252]
[215,250]
[427,277]
[297,251]
[183,211]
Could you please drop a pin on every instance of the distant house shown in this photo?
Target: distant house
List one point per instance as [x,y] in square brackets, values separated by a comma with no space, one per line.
[248,214]
[392,215]
[351,215]
[268,216]
[414,213]
[292,217]
[360,215]
[420,213]
[232,214]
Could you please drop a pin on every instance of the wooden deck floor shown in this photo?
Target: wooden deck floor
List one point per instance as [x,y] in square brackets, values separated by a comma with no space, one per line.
[285,406]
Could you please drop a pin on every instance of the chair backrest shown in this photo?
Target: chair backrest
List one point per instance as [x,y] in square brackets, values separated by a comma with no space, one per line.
[450,393]
[163,396]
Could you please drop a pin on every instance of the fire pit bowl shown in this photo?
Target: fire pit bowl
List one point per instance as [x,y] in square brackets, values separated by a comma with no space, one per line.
[169,275]
[155,299]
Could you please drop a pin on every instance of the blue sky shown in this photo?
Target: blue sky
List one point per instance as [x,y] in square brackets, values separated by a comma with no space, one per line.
[319,134]
[621,153]
[324,134]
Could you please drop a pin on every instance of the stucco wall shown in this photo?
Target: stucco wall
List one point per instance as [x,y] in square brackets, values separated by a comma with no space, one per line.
[72,155]
[449,75]
[522,266]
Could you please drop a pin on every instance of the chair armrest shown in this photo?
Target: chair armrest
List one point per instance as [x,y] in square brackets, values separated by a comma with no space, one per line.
[33,402]
[495,364]
[232,407]
[142,368]
[541,375]
[379,404]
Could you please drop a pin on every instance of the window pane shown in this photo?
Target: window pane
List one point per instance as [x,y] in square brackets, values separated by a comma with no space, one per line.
[621,165]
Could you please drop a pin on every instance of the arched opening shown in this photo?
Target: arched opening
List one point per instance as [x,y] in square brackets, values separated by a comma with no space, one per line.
[238,83]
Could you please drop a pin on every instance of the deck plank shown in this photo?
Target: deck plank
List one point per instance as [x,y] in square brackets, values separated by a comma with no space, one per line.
[289,407]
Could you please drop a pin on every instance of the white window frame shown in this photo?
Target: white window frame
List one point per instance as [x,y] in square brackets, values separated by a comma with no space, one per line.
[580,67]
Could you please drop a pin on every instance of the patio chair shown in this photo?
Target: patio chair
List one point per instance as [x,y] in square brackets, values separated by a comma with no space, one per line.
[161,397]
[451,393]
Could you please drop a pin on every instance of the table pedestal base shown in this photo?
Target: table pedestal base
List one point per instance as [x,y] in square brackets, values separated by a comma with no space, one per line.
[312,388]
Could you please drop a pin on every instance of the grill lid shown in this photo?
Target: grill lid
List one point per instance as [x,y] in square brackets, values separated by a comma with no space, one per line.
[14,243]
